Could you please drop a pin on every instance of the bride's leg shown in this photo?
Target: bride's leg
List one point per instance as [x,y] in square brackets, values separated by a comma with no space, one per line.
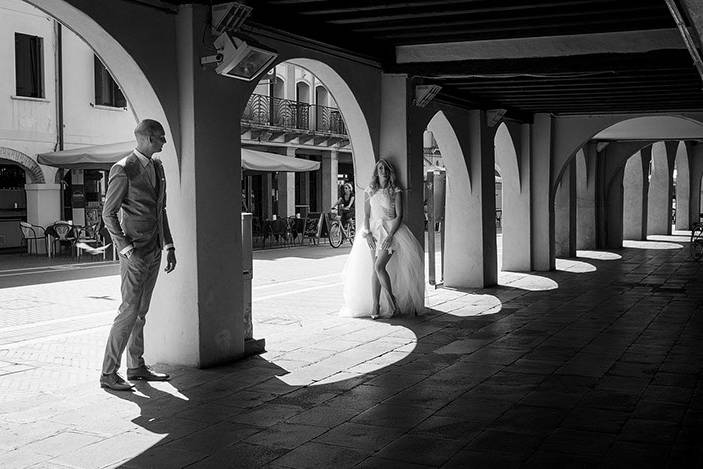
[383,277]
[375,291]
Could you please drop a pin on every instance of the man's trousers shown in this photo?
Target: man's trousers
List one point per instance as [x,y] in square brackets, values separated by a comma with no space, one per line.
[138,274]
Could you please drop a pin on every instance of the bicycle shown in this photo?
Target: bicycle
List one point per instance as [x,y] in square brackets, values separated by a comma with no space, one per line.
[696,245]
[337,231]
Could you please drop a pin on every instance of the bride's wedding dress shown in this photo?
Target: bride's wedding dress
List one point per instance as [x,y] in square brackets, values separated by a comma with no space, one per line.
[405,267]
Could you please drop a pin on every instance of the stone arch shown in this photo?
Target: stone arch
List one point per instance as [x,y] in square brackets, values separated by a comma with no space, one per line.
[36,175]
[460,268]
[363,154]
[515,210]
[576,133]
[141,96]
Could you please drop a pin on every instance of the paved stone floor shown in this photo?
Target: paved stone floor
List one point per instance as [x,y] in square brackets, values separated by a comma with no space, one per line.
[597,364]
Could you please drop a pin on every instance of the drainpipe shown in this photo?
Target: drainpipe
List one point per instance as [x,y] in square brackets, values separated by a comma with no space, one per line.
[58,57]
[59,87]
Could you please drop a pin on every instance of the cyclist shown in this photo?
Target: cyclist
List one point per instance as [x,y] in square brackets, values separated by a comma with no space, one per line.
[345,204]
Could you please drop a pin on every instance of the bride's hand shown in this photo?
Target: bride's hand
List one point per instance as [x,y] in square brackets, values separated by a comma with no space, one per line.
[387,243]
[371,241]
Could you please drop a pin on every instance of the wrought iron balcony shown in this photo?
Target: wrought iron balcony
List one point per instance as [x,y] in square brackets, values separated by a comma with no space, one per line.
[292,115]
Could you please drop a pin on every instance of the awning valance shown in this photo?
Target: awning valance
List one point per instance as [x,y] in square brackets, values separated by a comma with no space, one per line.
[104,156]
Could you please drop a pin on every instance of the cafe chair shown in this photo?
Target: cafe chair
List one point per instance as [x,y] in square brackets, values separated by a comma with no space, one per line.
[31,236]
[92,241]
[61,234]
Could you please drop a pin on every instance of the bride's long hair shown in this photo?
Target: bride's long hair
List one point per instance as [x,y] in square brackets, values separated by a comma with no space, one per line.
[375,184]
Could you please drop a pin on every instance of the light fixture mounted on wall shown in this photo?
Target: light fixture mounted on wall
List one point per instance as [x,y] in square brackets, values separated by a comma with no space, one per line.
[237,56]
[424,94]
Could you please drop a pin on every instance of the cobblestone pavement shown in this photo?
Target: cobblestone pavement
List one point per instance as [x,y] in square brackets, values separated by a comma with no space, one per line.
[595,364]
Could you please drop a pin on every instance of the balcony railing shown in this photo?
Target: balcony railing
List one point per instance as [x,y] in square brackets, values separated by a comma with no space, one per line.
[288,114]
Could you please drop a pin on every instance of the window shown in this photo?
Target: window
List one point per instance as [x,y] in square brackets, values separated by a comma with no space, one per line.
[29,70]
[107,93]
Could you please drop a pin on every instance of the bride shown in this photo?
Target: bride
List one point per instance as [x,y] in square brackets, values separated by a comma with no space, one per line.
[385,255]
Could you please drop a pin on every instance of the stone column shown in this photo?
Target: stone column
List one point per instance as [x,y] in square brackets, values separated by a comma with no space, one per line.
[683,190]
[43,205]
[586,197]
[482,173]
[286,189]
[267,195]
[401,143]
[632,197]
[196,316]
[78,188]
[541,206]
[659,209]
[614,209]
[565,214]
[646,161]
[695,152]
[329,178]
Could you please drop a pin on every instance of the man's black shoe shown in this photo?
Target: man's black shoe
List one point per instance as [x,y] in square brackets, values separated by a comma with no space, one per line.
[146,374]
[115,382]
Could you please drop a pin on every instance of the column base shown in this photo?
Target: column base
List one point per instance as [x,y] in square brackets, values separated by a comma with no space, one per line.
[254,347]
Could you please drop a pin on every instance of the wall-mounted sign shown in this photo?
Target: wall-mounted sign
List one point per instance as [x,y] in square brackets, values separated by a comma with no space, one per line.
[77,196]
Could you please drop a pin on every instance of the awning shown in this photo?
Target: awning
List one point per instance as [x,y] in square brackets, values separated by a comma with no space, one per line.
[261,161]
[92,157]
[104,156]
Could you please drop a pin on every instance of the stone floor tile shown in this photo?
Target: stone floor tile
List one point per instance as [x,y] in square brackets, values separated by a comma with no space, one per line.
[649,431]
[359,436]
[313,455]
[517,445]
[475,407]
[239,455]
[553,399]
[449,427]
[285,435]
[394,416]
[596,420]
[421,449]
[159,458]
[655,410]
[375,462]
[528,419]
[324,416]
[630,454]
[213,437]
[485,460]
[577,442]
[111,451]
[267,415]
[673,394]
[614,400]
[21,458]
[544,459]
[62,443]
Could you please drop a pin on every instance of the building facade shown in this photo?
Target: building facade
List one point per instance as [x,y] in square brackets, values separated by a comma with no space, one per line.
[58,95]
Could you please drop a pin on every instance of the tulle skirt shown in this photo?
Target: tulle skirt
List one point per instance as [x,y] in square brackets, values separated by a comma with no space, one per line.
[405,268]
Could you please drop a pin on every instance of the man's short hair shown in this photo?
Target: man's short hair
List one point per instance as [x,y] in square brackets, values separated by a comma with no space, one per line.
[148,127]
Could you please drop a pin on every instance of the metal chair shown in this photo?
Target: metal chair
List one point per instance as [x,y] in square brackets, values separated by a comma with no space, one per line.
[31,234]
[92,240]
[61,233]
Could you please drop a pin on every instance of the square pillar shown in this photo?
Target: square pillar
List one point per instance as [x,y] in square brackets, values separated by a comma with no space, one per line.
[196,316]
[541,206]
[586,197]
[565,213]
[695,154]
[43,206]
[267,195]
[330,168]
[634,196]
[401,144]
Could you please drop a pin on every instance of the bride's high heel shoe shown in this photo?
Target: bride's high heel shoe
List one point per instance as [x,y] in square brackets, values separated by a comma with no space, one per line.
[375,315]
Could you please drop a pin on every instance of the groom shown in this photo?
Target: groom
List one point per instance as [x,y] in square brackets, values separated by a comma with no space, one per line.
[137,187]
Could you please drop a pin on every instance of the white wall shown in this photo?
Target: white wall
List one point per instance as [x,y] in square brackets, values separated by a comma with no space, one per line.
[26,125]
[85,123]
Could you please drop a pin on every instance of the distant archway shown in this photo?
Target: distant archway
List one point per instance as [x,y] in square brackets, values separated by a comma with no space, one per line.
[32,169]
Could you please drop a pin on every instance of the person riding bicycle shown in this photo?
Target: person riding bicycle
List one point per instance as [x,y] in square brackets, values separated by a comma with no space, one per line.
[345,204]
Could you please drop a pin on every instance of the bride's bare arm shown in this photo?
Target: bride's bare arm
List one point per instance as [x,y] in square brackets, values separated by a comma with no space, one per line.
[367,214]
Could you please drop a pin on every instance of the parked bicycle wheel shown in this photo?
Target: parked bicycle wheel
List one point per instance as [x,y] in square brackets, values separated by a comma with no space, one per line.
[696,245]
[335,234]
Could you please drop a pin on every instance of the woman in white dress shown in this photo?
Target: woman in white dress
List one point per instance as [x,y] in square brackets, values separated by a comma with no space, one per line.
[385,256]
